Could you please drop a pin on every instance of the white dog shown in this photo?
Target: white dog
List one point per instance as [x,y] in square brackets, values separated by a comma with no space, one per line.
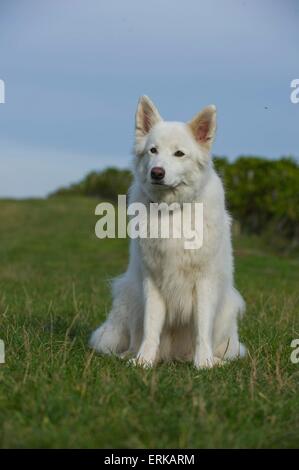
[175,303]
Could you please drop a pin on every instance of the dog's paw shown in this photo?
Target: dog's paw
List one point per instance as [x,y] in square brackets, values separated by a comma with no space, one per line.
[126,355]
[210,362]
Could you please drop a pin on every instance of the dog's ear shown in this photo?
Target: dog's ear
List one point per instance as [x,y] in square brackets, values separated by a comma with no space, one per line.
[147,116]
[203,126]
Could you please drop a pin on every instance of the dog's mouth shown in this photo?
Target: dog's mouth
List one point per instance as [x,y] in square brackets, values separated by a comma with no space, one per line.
[166,186]
[157,183]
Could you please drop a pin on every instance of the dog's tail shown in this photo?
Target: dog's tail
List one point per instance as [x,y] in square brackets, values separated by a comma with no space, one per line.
[112,337]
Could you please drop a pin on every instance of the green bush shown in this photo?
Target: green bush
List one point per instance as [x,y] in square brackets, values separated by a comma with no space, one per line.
[263,194]
[106,184]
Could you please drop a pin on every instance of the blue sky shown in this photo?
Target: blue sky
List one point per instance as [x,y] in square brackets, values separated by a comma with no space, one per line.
[74,70]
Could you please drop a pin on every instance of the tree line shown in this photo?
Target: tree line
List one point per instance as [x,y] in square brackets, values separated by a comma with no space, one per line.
[261,194]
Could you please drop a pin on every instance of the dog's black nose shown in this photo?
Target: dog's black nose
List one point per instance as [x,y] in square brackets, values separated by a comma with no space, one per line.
[157,173]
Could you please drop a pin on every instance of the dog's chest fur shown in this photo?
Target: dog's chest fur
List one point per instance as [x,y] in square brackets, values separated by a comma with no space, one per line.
[175,270]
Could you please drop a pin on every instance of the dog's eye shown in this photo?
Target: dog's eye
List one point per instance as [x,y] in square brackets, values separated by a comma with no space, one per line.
[179,153]
[153,150]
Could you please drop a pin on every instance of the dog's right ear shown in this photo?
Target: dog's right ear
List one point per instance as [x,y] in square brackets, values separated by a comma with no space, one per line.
[147,116]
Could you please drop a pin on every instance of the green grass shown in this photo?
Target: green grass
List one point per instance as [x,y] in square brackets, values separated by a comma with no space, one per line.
[54,392]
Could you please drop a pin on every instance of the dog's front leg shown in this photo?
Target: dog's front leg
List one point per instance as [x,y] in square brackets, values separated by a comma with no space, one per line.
[154,317]
[204,314]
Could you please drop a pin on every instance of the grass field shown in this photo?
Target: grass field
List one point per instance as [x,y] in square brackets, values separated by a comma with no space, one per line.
[54,392]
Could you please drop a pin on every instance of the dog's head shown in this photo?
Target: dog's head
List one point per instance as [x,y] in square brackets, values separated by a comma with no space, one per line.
[172,157]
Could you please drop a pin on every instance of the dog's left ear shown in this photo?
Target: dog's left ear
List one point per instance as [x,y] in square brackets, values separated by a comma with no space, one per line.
[147,116]
[203,126]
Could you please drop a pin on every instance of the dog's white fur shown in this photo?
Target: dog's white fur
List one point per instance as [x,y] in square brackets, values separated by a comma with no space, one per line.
[174,303]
